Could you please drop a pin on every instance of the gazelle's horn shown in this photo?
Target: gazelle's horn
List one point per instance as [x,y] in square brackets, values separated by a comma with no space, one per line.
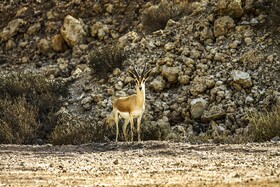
[135,71]
[144,70]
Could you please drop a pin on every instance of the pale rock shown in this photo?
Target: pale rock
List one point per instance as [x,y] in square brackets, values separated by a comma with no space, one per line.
[241,78]
[73,31]
[197,107]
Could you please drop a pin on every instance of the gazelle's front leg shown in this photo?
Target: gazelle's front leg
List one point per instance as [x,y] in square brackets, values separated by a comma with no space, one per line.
[131,125]
[139,128]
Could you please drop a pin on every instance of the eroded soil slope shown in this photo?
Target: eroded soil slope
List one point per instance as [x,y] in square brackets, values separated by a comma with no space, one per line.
[144,164]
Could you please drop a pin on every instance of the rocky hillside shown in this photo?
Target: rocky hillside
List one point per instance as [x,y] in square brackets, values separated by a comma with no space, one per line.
[212,63]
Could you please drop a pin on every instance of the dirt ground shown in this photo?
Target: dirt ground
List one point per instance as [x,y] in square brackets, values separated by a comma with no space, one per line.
[141,164]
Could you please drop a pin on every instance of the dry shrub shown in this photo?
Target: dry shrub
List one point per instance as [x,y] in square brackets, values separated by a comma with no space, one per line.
[103,61]
[155,131]
[27,106]
[252,59]
[18,121]
[156,17]
[71,130]
[272,8]
[264,125]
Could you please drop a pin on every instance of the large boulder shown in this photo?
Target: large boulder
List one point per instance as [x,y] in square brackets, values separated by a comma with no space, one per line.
[232,8]
[170,73]
[223,25]
[73,31]
[12,29]
[157,84]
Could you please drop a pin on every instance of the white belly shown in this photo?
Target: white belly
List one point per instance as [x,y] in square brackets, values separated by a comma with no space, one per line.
[135,114]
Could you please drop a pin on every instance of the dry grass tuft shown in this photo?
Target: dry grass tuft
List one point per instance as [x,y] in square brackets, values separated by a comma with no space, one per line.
[104,61]
[156,17]
[264,125]
[27,106]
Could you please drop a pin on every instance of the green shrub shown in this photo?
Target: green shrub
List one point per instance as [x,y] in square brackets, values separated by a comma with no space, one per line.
[104,61]
[156,17]
[27,106]
[264,125]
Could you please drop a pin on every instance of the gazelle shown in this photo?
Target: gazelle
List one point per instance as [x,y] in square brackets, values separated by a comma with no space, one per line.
[132,106]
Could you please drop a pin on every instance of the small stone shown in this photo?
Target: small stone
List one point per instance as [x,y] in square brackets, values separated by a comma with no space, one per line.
[169,46]
[44,46]
[110,8]
[33,28]
[116,162]
[86,100]
[97,97]
[10,45]
[184,79]
[214,113]
[248,41]
[58,43]
[116,72]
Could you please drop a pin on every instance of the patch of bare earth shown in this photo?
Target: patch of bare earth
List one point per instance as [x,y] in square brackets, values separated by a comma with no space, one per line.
[141,164]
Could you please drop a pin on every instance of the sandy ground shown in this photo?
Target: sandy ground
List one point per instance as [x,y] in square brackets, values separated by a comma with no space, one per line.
[141,164]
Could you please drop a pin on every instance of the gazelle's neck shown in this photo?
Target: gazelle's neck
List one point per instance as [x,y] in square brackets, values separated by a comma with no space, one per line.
[141,93]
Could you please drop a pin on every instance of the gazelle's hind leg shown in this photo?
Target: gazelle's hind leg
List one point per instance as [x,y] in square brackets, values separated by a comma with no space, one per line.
[139,128]
[126,121]
[116,115]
